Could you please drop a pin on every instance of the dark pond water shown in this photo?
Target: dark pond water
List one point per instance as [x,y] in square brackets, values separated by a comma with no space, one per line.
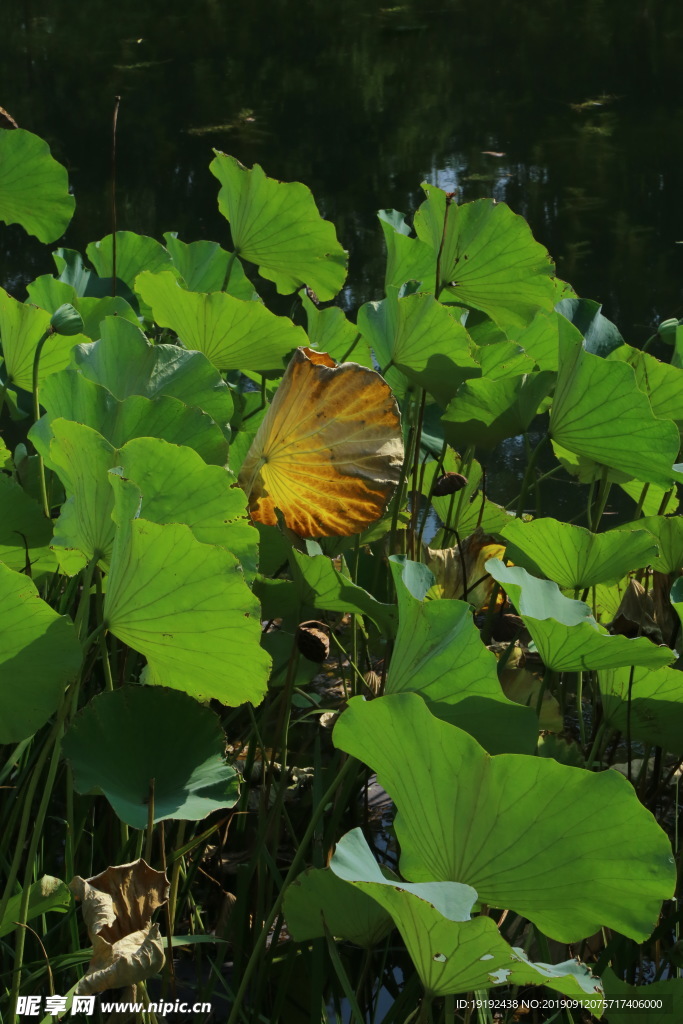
[363,100]
[571,112]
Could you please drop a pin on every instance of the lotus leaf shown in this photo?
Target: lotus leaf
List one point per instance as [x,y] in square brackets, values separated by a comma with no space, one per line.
[662,383]
[422,339]
[39,655]
[232,334]
[408,259]
[484,411]
[574,557]
[329,331]
[439,654]
[45,895]
[319,899]
[570,850]
[70,395]
[328,451]
[25,533]
[668,533]
[276,225]
[21,328]
[489,259]
[626,1000]
[452,952]
[323,586]
[565,632]
[134,253]
[601,337]
[122,740]
[185,606]
[600,412]
[34,187]
[647,705]
[203,267]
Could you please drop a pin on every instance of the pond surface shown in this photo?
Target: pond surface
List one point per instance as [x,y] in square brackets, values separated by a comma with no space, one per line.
[571,112]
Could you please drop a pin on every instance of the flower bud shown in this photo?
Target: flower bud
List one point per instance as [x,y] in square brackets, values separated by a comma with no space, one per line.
[66,320]
[667,330]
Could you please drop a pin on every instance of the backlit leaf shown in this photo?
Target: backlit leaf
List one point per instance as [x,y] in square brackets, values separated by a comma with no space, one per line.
[34,187]
[329,450]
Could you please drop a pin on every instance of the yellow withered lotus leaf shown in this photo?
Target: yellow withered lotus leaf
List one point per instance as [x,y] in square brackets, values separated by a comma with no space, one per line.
[329,451]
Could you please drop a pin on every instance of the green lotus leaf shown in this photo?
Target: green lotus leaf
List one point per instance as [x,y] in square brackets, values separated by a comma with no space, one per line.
[677,597]
[134,253]
[565,633]
[489,258]
[654,497]
[408,259]
[600,335]
[277,225]
[574,557]
[319,899]
[71,396]
[185,606]
[600,412]
[34,187]
[204,265]
[452,952]
[122,740]
[21,328]
[502,359]
[45,895]
[126,364]
[486,411]
[39,654]
[541,338]
[50,293]
[231,333]
[626,1000]
[662,383]
[422,339]
[72,270]
[25,533]
[329,331]
[668,532]
[470,508]
[656,704]
[324,586]
[175,486]
[438,653]
[570,850]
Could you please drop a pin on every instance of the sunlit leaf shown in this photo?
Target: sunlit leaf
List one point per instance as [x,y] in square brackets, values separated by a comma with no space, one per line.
[134,253]
[232,334]
[565,633]
[203,267]
[185,606]
[661,382]
[329,450]
[570,850]
[576,558]
[600,412]
[489,259]
[39,655]
[484,412]
[668,533]
[600,335]
[452,952]
[277,226]
[34,187]
[45,895]
[439,654]
[323,586]
[21,328]
[408,259]
[329,331]
[25,533]
[646,705]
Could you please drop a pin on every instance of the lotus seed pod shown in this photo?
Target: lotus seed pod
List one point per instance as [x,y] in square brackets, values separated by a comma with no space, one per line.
[313,642]
[66,320]
[449,483]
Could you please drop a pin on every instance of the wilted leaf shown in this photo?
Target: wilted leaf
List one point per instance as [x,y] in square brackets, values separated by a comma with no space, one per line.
[328,452]
[117,909]
[457,569]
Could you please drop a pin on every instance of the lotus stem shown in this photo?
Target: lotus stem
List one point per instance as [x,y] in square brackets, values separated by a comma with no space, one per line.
[36,416]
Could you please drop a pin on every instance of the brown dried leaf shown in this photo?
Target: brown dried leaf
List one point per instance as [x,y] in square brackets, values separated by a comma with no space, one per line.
[117,909]
[455,567]
[635,615]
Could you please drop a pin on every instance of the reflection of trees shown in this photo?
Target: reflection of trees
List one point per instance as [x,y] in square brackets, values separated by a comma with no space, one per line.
[362,103]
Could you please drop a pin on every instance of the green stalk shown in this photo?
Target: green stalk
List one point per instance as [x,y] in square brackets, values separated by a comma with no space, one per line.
[36,416]
[530,467]
[294,869]
[228,271]
[603,495]
[36,839]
